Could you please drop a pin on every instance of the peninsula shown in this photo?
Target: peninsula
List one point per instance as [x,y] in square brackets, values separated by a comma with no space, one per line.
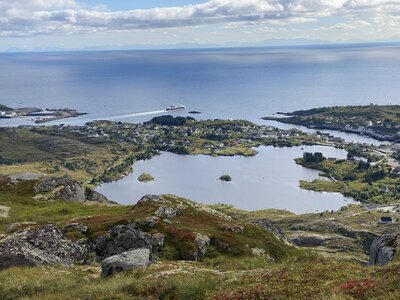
[38,115]
[381,122]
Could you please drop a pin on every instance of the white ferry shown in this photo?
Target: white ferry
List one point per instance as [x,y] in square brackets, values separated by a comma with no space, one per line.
[176,107]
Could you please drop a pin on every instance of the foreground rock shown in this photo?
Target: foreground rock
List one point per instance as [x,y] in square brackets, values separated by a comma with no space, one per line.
[129,260]
[384,249]
[44,245]
[122,238]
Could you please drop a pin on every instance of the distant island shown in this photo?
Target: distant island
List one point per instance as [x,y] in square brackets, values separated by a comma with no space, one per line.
[226,178]
[39,115]
[381,122]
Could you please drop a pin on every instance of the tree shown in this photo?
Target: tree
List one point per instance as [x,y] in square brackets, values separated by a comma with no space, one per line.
[316,157]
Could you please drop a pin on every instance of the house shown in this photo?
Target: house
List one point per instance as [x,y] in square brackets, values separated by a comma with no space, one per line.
[386,220]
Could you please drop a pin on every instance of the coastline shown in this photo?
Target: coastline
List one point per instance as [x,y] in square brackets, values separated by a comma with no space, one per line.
[373,135]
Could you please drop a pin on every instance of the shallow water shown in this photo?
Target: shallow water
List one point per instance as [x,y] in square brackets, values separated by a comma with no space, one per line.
[268,180]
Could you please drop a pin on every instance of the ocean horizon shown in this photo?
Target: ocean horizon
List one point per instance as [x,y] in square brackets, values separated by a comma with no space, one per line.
[231,83]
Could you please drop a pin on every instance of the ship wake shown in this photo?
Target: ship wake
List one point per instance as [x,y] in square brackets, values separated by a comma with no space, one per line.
[146,113]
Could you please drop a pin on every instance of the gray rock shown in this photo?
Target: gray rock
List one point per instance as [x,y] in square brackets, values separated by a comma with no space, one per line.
[92,195]
[69,190]
[202,242]
[129,260]
[149,222]
[150,198]
[384,249]
[43,245]
[269,226]
[127,237]
[312,240]
[166,212]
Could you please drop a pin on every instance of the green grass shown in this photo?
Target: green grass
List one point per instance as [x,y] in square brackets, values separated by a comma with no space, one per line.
[24,208]
[309,278]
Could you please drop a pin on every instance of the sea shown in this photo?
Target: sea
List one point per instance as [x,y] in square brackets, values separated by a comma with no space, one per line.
[231,83]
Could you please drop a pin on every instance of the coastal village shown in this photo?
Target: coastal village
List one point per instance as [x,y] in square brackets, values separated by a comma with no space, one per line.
[213,137]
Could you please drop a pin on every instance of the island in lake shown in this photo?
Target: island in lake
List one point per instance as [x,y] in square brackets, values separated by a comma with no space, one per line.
[38,115]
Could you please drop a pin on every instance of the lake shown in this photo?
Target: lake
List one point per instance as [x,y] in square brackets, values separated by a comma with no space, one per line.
[268,180]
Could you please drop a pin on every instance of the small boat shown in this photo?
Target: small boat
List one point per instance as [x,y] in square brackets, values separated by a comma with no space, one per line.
[176,107]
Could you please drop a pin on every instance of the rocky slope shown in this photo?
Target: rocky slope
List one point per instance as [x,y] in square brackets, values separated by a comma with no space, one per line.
[164,227]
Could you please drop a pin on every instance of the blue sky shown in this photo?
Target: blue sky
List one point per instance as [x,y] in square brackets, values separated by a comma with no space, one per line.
[77,24]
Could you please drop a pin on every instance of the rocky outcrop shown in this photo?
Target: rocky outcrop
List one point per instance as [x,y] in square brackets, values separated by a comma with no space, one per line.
[269,226]
[201,242]
[122,238]
[92,195]
[309,239]
[69,190]
[148,222]
[150,198]
[44,245]
[165,212]
[384,249]
[129,260]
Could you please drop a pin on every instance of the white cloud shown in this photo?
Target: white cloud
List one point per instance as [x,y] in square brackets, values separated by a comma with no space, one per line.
[33,17]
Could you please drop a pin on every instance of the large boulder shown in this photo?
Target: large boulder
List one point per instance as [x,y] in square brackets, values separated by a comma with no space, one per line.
[202,242]
[69,190]
[384,249]
[122,238]
[129,260]
[309,239]
[92,195]
[43,245]
[269,226]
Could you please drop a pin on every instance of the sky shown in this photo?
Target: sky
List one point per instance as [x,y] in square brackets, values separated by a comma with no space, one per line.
[84,24]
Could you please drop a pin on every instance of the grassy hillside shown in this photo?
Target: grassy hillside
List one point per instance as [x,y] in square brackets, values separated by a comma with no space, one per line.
[312,278]
[229,237]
